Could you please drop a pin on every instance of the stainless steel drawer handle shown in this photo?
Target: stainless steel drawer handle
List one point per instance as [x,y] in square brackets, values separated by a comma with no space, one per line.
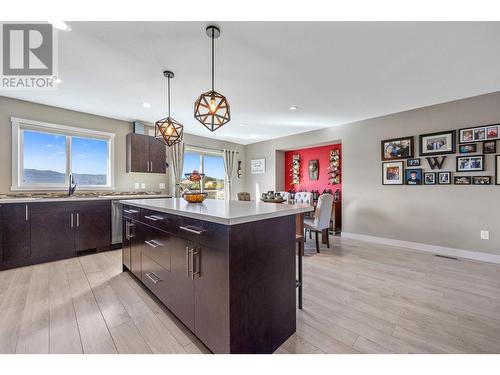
[131,211]
[191,230]
[153,277]
[153,217]
[154,244]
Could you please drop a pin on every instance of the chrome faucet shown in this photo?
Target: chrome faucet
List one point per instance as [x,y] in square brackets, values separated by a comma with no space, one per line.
[72,185]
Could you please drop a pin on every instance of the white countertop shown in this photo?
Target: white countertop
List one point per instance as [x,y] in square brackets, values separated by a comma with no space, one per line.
[77,198]
[221,211]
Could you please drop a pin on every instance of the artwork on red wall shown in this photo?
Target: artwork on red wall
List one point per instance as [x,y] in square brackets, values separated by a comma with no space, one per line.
[297,168]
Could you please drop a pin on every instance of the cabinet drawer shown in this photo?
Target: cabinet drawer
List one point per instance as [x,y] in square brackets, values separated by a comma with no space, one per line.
[157,248]
[155,278]
[156,219]
[202,232]
[130,212]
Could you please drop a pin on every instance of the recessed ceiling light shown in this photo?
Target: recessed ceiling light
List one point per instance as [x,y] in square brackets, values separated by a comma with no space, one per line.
[293,108]
[60,25]
[146,105]
[242,124]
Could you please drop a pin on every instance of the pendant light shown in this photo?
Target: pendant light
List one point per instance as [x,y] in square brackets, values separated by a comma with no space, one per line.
[212,108]
[168,130]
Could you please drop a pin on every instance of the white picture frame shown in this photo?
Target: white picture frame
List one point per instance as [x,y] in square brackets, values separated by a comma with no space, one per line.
[258,166]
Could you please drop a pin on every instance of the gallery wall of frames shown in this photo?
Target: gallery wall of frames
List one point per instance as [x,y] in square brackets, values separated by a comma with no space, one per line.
[472,149]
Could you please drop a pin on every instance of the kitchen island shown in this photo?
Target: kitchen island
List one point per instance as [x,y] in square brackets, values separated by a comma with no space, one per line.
[226,269]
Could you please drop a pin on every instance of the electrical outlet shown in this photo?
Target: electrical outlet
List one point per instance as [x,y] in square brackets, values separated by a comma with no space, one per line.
[162,185]
[143,185]
[485,234]
[136,185]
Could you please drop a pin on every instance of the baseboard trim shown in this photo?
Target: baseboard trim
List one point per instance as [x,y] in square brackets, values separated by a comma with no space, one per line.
[441,250]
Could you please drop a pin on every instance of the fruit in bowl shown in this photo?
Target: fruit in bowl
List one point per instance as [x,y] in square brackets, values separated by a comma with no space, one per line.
[194,197]
[194,176]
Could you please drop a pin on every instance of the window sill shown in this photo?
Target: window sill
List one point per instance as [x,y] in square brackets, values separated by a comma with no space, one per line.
[61,188]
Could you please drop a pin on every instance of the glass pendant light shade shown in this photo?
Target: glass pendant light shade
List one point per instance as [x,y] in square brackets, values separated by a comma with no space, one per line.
[212,108]
[168,130]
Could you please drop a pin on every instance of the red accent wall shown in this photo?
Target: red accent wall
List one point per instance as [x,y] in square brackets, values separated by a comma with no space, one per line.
[322,154]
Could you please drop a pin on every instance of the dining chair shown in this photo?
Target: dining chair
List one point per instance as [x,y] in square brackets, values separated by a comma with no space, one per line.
[243,196]
[321,219]
[303,197]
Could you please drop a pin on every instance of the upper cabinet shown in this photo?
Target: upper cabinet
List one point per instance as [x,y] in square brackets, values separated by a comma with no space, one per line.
[145,154]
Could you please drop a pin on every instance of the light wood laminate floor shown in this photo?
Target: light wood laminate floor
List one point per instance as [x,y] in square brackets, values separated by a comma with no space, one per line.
[359,298]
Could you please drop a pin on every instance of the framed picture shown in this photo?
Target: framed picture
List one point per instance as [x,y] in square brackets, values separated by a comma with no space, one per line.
[429,178]
[490,147]
[462,180]
[413,162]
[444,178]
[467,149]
[258,166]
[413,176]
[392,173]
[397,148]
[497,169]
[479,133]
[470,163]
[437,143]
[481,180]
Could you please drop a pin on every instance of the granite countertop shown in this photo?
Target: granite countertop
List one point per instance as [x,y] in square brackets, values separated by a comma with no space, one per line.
[58,197]
[221,211]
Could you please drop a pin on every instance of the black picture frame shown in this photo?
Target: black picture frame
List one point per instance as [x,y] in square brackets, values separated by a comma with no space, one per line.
[413,162]
[411,152]
[462,150]
[411,170]
[475,180]
[497,169]
[402,173]
[450,133]
[439,178]
[434,177]
[470,170]
[491,150]
[488,136]
[462,178]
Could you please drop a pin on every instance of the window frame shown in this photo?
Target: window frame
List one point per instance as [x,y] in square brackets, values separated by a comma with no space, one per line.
[208,152]
[20,125]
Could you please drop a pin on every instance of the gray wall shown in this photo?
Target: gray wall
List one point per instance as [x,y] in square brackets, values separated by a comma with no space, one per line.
[123,181]
[450,216]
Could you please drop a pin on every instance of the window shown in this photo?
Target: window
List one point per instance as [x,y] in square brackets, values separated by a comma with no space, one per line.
[44,155]
[212,164]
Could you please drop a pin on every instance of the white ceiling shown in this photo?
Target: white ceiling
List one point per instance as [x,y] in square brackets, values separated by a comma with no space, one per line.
[335,72]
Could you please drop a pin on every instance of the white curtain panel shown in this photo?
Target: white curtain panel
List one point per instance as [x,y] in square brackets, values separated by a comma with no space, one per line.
[177,166]
[229,166]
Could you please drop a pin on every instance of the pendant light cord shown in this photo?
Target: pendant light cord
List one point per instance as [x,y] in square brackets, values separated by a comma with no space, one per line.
[213,53]
[168,95]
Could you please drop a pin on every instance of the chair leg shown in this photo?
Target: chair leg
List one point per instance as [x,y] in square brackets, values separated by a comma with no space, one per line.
[310,234]
[301,253]
[327,232]
[317,241]
[305,234]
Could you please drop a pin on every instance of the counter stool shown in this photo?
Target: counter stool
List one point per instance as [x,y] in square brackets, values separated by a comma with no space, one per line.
[299,239]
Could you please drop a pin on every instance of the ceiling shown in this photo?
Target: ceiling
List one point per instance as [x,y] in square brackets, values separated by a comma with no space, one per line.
[334,72]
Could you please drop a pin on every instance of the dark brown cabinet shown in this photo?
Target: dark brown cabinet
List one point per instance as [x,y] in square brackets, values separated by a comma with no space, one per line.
[93,225]
[145,154]
[52,230]
[44,231]
[16,232]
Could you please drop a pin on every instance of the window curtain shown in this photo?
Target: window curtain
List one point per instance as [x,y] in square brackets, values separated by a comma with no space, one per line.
[177,166]
[228,166]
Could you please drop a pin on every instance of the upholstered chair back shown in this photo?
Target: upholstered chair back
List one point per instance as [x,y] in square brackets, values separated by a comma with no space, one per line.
[303,197]
[243,196]
[323,212]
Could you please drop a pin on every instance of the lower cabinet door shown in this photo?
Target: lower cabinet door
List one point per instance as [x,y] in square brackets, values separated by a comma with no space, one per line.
[211,297]
[128,230]
[52,231]
[16,233]
[136,245]
[93,225]
[180,293]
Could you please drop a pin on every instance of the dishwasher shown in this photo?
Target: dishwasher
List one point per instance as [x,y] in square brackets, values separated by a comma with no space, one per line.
[116,222]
